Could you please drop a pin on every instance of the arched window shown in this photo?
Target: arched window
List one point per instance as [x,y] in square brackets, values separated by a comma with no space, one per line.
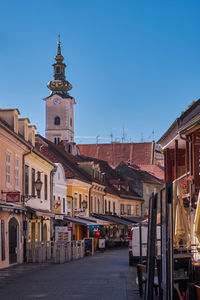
[57,120]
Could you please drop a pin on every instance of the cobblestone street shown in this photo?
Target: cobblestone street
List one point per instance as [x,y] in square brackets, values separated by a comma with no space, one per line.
[104,276]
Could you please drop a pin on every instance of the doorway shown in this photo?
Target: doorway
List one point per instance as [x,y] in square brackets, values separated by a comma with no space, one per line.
[13,240]
[45,232]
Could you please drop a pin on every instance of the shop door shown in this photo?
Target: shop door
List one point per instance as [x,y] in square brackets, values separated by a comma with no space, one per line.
[45,232]
[13,232]
[33,232]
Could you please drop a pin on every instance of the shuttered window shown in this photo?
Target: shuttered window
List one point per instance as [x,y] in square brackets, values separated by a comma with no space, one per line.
[8,169]
[17,173]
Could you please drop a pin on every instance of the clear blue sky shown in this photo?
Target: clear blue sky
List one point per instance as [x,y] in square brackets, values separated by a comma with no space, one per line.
[132,64]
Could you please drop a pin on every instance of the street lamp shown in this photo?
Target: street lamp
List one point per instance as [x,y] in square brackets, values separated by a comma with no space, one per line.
[38,186]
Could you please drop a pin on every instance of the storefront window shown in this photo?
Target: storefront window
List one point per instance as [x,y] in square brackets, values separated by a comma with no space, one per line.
[105,206]
[114,207]
[121,209]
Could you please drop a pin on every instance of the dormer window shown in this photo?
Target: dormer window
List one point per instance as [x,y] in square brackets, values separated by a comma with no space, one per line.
[57,120]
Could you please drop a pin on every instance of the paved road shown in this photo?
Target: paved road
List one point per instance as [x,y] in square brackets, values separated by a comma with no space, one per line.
[105,276]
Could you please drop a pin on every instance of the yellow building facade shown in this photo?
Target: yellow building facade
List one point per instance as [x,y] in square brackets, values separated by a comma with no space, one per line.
[39,207]
[78,193]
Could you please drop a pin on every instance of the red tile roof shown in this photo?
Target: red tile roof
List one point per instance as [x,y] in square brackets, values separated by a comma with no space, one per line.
[114,153]
[154,170]
[56,153]
[111,178]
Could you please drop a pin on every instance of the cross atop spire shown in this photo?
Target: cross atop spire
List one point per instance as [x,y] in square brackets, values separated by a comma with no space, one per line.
[59,56]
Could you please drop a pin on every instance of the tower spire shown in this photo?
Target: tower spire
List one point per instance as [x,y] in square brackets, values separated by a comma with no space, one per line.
[59,55]
[59,85]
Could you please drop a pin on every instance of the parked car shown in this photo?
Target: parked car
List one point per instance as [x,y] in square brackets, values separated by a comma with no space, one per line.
[134,242]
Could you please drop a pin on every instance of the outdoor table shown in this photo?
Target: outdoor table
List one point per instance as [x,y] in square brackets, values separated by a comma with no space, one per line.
[182,271]
[196,269]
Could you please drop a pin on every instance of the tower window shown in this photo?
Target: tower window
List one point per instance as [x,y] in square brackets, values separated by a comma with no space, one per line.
[57,69]
[57,121]
[56,140]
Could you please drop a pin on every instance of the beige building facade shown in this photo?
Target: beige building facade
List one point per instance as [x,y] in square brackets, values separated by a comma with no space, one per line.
[15,141]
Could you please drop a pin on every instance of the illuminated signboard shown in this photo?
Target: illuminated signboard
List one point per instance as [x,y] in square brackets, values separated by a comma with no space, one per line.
[13,197]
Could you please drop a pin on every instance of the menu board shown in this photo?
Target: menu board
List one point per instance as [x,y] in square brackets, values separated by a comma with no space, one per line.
[89,246]
[62,233]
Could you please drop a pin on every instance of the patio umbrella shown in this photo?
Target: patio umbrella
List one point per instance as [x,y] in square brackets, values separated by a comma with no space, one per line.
[175,200]
[197,220]
[182,232]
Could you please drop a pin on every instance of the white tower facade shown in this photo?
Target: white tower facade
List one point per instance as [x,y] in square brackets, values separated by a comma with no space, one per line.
[59,105]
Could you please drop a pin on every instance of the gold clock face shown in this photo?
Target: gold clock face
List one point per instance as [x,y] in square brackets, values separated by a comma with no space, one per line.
[56,101]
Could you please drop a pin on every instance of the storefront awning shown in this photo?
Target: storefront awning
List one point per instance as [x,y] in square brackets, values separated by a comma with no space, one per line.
[134,219]
[12,208]
[41,212]
[115,219]
[90,225]
[98,221]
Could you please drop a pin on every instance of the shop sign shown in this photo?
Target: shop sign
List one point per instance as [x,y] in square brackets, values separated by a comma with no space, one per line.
[13,197]
[59,217]
[7,209]
[92,226]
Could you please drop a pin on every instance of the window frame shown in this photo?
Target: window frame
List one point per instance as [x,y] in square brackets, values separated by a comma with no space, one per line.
[8,168]
[17,172]
[57,120]
[26,179]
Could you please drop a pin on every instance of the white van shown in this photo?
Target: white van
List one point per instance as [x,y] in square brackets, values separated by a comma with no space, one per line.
[134,242]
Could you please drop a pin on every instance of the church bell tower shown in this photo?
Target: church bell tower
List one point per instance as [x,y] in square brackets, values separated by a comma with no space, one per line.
[59,104]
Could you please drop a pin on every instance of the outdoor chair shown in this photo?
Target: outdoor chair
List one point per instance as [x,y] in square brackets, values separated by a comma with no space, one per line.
[197,287]
[142,278]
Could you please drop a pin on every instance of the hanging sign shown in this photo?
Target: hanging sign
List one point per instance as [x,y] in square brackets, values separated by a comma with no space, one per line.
[13,197]
[59,217]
